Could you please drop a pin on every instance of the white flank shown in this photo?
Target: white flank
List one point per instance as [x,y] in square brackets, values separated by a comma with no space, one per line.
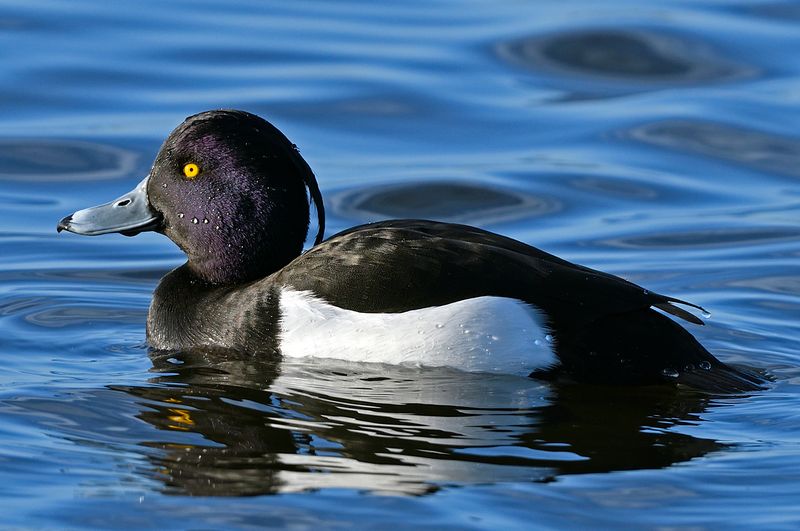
[484,334]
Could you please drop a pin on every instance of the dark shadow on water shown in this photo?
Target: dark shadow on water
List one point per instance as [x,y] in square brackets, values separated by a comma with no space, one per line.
[444,200]
[40,160]
[624,428]
[263,429]
[722,238]
[748,147]
[782,11]
[613,53]
[621,59]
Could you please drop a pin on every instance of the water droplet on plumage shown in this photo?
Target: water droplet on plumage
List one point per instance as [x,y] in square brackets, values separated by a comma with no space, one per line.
[439,325]
[548,338]
[194,220]
[205,221]
[164,185]
[688,367]
[704,365]
[706,314]
[670,373]
[180,215]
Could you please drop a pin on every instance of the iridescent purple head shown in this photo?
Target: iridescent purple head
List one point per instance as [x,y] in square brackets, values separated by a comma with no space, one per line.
[229,189]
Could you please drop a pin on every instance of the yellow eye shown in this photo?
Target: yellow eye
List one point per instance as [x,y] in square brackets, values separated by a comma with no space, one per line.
[191,170]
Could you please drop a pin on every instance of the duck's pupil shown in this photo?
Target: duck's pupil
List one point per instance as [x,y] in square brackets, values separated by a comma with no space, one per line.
[191,170]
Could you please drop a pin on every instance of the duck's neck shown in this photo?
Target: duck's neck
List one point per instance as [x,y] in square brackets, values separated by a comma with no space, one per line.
[238,263]
[234,254]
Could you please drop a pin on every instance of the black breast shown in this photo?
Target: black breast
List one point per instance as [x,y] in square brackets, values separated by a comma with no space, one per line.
[186,312]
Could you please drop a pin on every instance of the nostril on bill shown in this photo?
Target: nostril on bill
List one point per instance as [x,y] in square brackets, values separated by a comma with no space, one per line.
[123,202]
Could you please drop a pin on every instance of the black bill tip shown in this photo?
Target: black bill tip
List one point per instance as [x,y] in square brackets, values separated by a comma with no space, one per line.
[64,223]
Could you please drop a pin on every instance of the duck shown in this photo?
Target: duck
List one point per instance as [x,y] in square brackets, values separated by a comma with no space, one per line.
[235,195]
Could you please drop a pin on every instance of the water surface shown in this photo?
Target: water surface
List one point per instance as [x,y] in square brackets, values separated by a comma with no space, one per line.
[654,140]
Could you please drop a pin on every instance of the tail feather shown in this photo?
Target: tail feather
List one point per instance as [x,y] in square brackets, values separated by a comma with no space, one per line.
[646,347]
[668,305]
[722,378]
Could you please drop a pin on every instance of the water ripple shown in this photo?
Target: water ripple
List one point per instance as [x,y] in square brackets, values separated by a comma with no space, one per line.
[750,147]
[452,201]
[707,239]
[627,56]
[62,160]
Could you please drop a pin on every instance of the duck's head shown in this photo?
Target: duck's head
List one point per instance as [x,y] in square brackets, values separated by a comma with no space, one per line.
[228,188]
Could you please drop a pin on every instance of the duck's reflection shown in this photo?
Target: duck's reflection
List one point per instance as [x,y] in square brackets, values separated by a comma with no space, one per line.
[241,427]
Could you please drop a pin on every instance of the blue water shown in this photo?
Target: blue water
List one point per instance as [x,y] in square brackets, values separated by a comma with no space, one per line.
[655,140]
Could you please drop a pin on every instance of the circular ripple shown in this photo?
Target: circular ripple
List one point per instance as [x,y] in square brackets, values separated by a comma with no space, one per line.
[733,143]
[62,160]
[615,187]
[728,237]
[782,11]
[442,200]
[634,55]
